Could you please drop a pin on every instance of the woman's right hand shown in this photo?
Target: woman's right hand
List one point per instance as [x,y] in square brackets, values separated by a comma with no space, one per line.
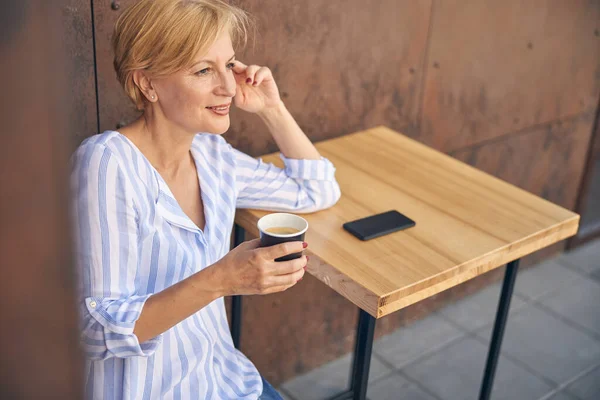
[250,269]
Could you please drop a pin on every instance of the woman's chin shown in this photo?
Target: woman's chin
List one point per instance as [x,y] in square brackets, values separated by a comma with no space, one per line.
[217,127]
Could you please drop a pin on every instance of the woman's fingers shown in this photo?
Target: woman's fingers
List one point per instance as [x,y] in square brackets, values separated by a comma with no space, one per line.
[287,279]
[282,275]
[262,74]
[251,73]
[277,289]
[288,267]
[239,67]
[280,250]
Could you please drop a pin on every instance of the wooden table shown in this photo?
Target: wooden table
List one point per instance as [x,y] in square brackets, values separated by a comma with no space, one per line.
[468,222]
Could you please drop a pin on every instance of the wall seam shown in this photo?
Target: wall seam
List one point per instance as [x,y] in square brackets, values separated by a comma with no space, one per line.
[95,67]
[425,64]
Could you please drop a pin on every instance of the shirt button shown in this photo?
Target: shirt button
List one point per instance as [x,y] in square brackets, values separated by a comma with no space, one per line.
[93,304]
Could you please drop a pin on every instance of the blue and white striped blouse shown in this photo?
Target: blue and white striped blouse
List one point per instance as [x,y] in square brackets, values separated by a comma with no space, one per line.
[133,240]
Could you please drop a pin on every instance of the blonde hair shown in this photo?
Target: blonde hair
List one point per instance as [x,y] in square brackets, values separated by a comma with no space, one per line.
[164,36]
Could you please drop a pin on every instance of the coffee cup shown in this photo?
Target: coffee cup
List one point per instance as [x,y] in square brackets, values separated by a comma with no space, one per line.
[279,228]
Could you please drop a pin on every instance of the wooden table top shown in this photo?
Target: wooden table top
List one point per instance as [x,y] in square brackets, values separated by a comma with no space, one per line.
[468,222]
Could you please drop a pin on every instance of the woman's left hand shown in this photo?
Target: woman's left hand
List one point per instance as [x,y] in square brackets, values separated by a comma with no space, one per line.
[256,88]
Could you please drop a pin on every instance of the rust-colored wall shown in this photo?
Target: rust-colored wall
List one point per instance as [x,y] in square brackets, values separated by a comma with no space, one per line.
[115,109]
[76,17]
[499,67]
[546,159]
[510,87]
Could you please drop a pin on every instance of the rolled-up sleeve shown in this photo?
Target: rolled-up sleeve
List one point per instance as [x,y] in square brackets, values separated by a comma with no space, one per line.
[106,236]
[303,186]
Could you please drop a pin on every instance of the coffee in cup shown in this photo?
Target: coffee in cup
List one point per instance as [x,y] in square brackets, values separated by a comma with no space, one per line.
[279,228]
[282,230]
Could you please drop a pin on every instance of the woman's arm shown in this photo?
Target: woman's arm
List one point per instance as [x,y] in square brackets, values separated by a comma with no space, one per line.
[166,309]
[290,139]
[246,269]
[307,183]
[257,93]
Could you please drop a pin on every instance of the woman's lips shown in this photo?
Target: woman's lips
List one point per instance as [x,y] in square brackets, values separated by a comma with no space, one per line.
[222,109]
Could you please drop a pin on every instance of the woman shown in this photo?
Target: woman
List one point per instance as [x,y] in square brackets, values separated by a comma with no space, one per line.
[155,202]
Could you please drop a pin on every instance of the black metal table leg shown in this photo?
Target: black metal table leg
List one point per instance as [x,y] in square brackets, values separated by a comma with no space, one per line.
[362,355]
[498,332]
[361,362]
[236,301]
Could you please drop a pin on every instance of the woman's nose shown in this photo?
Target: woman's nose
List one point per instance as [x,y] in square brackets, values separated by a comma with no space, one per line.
[227,85]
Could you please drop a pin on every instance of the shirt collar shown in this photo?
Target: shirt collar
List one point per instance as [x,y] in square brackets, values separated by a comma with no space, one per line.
[169,208]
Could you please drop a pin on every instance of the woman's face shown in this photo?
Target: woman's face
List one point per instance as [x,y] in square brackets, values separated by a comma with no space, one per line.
[198,99]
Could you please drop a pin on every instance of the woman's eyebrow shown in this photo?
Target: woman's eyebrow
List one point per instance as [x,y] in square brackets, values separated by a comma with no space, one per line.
[210,61]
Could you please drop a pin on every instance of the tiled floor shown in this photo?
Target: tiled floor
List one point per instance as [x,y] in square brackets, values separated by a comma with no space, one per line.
[551,348]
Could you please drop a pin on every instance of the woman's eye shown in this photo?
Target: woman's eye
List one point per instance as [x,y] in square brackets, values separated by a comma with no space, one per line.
[203,71]
[230,65]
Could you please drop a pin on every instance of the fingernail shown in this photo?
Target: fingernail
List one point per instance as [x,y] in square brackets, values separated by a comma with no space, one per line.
[248,80]
[304,244]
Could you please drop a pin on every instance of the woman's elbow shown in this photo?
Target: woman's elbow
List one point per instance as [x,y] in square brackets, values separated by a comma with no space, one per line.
[330,197]
[337,193]
[316,200]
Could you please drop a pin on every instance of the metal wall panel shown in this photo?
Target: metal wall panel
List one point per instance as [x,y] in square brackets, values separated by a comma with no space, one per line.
[115,108]
[496,67]
[547,160]
[77,38]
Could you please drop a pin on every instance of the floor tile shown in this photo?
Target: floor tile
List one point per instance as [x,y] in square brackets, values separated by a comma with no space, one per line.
[283,395]
[579,302]
[547,345]
[588,386]
[596,275]
[543,278]
[585,258]
[414,341]
[396,387]
[560,396]
[455,373]
[479,309]
[329,379]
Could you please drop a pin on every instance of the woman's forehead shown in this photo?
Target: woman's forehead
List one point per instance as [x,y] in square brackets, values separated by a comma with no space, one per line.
[221,49]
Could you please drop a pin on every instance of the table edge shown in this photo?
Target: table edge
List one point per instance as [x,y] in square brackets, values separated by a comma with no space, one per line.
[400,299]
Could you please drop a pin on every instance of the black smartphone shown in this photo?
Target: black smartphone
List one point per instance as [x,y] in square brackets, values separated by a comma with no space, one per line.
[378,225]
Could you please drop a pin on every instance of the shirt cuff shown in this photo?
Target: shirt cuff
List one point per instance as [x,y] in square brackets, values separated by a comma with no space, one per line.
[117,319]
[321,170]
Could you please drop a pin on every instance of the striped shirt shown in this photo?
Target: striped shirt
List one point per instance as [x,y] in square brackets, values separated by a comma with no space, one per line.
[132,240]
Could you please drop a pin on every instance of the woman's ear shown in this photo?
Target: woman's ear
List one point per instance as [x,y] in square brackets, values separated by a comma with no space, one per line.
[143,82]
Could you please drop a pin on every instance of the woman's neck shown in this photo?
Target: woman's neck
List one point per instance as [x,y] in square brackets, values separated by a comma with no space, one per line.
[164,145]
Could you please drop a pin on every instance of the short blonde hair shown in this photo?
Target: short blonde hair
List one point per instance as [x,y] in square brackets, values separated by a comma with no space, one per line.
[164,36]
